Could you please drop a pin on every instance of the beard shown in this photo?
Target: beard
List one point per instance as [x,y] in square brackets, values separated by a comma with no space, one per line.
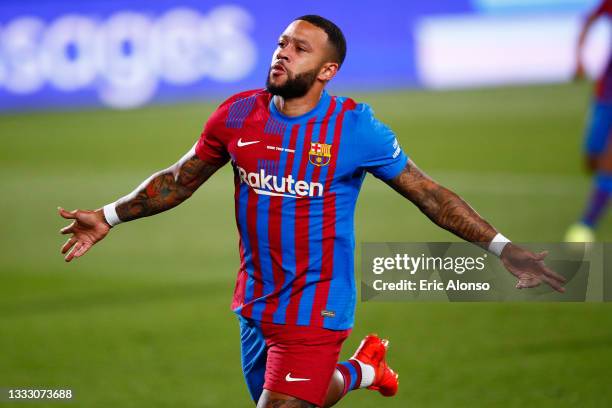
[295,86]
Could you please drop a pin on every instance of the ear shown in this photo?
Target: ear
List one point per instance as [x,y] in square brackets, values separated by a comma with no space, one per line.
[328,71]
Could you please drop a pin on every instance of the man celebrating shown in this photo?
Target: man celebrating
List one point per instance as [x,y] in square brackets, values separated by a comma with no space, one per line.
[299,157]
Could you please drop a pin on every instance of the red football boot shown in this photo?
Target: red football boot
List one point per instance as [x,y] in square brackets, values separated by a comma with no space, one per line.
[372,351]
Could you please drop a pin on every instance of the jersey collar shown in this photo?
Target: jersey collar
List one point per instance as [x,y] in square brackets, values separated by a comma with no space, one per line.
[318,110]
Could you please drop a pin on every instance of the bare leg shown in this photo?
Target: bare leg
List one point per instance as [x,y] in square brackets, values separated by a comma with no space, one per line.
[335,392]
[591,163]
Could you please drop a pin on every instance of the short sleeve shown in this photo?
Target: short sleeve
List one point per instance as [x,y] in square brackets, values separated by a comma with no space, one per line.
[383,155]
[210,147]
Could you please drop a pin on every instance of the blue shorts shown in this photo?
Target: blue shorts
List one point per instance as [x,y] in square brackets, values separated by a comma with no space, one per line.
[254,355]
[598,130]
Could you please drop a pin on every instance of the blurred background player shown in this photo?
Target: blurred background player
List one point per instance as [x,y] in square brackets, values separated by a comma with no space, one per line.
[597,146]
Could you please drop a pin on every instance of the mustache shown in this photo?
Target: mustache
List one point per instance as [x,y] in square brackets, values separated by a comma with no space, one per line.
[281,66]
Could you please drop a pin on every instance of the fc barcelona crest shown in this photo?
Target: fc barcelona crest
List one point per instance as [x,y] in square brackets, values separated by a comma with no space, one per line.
[320,154]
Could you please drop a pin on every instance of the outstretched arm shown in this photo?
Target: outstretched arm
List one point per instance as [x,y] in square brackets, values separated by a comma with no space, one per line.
[165,189]
[452,213]
[442,206]
[579,70]
[160,192]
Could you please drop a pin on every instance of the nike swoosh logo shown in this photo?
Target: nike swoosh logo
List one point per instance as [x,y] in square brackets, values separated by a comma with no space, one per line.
[289,378]
[241,143]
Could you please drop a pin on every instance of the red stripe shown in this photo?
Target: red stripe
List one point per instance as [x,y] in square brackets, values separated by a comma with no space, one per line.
[275,220]
[322,135]
[251,221]
[301,234]
[304,215]
[240,279]
[346,376]
[316,173]
[357,368]
[329,225]
[252,231]
[599,87]
[239,289]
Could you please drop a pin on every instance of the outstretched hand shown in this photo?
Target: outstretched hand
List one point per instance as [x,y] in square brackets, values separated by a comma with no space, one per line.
[530,269]
[87,228]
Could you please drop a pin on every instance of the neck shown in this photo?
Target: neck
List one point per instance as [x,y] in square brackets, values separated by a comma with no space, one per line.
[298,106]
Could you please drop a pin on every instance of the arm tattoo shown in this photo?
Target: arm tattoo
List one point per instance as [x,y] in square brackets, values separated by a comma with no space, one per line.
[166,189]
[288,403]
[442,206]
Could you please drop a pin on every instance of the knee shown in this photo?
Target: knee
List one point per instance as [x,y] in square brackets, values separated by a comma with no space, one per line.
[591,163]
[271,399]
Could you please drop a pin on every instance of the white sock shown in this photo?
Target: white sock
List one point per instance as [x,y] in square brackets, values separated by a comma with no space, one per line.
[367,374]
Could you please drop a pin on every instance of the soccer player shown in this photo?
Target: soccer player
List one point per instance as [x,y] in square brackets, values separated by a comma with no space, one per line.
[299,157]
[598,150]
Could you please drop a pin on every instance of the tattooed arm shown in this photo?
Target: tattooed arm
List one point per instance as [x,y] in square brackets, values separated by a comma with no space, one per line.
[160,192]
[165,189]
[442,206]
[452,213]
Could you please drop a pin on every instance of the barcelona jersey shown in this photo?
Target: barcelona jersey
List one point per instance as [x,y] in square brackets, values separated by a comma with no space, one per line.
[296,185]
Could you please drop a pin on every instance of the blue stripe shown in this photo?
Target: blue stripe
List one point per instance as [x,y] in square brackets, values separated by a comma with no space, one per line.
[287,233]
[314,256]
[265,256]
[238,112]
[243,199]
[288,228]
[265,260]
[342,287]
[315,240]
[281,127]
[352,373]
[274,127]
[315,248]
[341,299]
[267,128]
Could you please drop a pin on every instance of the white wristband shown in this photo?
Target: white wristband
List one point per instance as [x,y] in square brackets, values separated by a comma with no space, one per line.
[497,244]
[111,215]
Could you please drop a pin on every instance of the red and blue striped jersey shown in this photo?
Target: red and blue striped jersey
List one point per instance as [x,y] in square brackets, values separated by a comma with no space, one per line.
[296,185]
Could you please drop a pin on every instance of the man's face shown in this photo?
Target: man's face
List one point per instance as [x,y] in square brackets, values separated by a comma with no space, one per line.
[302,50]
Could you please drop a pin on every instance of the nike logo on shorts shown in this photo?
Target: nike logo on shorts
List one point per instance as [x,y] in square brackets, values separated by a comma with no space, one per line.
[289,378]
[241,143]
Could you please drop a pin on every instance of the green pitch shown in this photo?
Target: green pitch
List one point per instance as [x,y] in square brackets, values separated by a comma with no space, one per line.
[143,319]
